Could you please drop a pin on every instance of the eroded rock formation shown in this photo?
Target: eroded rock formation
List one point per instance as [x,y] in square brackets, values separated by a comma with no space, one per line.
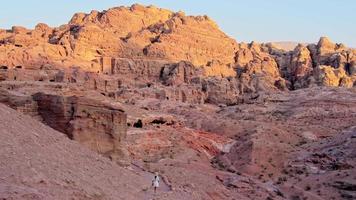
[139,42]
[177,95]
[137,52]
[132,53]
[98,125]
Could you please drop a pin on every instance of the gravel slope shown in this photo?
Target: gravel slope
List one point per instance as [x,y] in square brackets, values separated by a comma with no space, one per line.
[37,162]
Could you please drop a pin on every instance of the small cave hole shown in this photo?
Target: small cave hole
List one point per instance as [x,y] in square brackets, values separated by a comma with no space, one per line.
[99,52]
[138,124]
[348,68]
[145,51]
[73,80]
[159,121]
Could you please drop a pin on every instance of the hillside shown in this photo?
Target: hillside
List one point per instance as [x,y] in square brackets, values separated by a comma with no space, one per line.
[114,96]
[38,162]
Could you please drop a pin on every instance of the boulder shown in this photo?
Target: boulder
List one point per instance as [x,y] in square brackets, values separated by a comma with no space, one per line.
[99,126]
[328,76]
[176,74]
[221,90]
[301,67]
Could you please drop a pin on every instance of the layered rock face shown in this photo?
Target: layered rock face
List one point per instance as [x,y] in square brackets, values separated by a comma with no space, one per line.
[99,126]
[135,32]
[324,64]
[206,44]
[60,168]
[133,53]
[129,47]
[177,95]
[142,52]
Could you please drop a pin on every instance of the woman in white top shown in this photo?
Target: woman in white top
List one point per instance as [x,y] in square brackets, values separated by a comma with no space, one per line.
[155,181]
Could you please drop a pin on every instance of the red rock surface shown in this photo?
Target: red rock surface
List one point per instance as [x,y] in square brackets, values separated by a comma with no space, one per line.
[155,90]
[38,162]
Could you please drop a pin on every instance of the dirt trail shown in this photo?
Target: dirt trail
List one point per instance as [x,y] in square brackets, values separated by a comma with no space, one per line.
[148,176]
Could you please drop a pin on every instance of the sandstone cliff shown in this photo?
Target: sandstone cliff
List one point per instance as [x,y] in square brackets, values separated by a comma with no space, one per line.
[176,95]
[138,41]
[132,53]
[38,162]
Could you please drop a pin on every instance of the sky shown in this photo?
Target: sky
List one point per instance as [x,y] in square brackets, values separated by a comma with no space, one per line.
[244,20]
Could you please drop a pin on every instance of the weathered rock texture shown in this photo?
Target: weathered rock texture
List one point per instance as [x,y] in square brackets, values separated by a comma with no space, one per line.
[38,162]
[129,54]
[129,47]
[190,94]
[99,126]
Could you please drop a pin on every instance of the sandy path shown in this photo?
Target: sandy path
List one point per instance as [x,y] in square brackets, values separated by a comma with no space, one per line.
[148,176]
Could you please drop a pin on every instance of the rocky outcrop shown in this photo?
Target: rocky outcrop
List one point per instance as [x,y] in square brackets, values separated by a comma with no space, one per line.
[20,102]
[123,19]
[329,76]
[221,91]
[190,93]
[137,51]
[335,62]
[206,42]
[351,68]
[253,64]
[134,32]
[99,126]
[301,67]
[326,52]
[176,74]
[65,168]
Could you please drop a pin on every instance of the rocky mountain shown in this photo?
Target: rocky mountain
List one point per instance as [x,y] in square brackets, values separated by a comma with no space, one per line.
[153,90]
[287,46]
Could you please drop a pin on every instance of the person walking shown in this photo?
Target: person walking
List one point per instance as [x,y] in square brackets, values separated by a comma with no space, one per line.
[155,182]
